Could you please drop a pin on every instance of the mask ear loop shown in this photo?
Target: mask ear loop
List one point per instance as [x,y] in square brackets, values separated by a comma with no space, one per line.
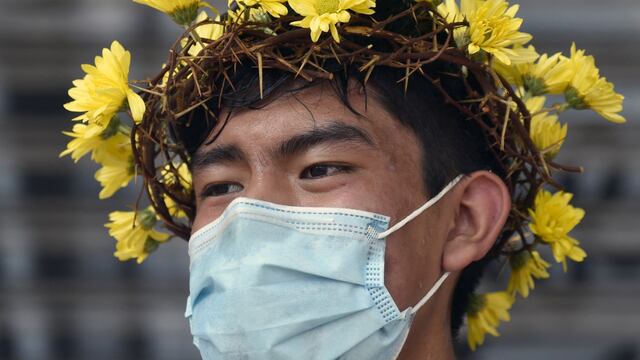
[412,216]
[422,208]
[433,290]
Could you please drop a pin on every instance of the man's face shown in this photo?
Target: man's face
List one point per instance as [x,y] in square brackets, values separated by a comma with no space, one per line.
[310,150]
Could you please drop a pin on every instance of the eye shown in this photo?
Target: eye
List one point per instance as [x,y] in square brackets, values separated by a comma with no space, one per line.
[317,171]
[221,189]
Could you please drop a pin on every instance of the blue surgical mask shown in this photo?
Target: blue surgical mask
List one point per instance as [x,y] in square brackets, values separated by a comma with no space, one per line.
[270,281]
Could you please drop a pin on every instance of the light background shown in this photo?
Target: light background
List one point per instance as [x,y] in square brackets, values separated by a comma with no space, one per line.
[64,296]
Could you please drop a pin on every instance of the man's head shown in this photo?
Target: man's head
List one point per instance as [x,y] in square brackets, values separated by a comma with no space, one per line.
[439,102]
[341,144]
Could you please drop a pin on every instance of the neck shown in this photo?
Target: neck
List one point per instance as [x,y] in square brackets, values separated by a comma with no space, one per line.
[430,334]
[437,345]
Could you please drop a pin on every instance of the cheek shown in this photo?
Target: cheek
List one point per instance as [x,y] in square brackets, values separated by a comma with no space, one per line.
[412,255]
[402,266]
[412,260]
[367,190]
[203,217]
[358,197]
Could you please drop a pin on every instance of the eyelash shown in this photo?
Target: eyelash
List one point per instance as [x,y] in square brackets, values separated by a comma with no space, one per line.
[210,190]
[340,169]
[213,190]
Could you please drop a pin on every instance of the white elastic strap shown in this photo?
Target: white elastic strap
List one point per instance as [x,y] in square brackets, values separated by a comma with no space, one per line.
[422,208]
[433,290]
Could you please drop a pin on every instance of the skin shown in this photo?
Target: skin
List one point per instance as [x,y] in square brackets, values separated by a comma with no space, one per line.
[381,175]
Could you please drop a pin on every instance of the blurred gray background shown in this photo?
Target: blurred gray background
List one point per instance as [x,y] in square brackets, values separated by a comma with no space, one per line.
[64,296]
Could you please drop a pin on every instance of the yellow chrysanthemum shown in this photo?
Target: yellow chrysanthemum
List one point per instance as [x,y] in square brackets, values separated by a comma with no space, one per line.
[546,131]
[567,248]
[86,138]
[94,138]
[183,12]
[450,11]
[184,179]
[255,15]
[522,55]
[323,15]
[174,208]
[202,32]
[119,143]
[493,28]
[206,31]
[104,89]
[275,8]
[117,171]
[484,315]
[525,266]
[588,90]
[169,6]
[547,75]
[135,233]
[552,218]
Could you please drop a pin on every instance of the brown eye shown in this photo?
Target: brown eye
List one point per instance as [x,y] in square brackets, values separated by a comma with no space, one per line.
[317,171]
[221,189]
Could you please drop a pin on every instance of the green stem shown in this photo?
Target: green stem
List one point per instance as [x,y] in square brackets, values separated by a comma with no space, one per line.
[559,108]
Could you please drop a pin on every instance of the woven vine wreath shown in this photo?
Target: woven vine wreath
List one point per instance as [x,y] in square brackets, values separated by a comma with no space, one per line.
[128,127]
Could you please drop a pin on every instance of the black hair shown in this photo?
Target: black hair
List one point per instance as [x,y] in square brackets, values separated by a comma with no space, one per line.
[451,143]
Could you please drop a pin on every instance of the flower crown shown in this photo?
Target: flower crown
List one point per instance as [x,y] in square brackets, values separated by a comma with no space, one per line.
[129,127]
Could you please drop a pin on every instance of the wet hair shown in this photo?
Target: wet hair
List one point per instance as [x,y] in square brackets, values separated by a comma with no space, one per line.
[451,143]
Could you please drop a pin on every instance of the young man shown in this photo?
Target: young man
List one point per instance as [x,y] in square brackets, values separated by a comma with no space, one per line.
[344,170]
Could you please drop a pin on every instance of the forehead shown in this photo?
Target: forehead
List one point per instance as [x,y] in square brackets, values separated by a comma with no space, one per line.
[292,113]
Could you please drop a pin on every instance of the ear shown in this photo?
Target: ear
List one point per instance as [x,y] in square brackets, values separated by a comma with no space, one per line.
[480,206]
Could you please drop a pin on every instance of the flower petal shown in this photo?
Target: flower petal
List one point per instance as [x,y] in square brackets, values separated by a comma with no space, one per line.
[136,104]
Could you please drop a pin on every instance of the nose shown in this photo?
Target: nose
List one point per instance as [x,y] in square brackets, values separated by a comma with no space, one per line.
[273,186]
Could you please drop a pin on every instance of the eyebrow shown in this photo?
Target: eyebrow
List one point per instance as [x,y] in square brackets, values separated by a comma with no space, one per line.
[333,132]
[218,155]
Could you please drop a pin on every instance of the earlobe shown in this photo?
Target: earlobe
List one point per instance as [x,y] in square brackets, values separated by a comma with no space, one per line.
[481,205]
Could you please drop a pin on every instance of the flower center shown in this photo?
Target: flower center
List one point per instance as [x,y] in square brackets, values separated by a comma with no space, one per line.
[327,6]
[534,85]
[185,15]
[112,128]
[574,99]
[487,29]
